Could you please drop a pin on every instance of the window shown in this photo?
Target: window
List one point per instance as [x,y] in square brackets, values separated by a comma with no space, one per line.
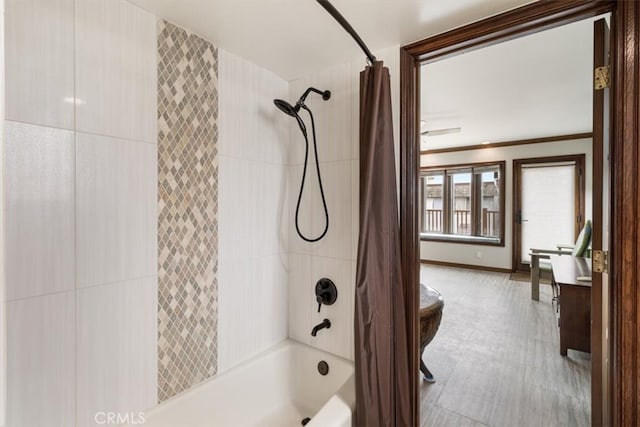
[463,203]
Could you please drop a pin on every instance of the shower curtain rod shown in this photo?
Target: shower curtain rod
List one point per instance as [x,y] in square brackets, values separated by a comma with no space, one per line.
[348,28]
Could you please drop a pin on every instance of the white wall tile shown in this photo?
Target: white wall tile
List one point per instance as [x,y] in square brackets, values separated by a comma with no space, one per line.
[39,62]
[301,297]
[251,127]
[333,117]
[116,348]
[238,183]
[252,307]
[116,209]
[306,212]
[253,207]
[270,209]
[116,70]
[40,360]
[239,92]
[272,299]
[237,307]
[336,180]
[273,126]
[39,203]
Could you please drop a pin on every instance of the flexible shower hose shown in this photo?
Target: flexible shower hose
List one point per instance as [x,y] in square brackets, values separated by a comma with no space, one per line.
[304,174]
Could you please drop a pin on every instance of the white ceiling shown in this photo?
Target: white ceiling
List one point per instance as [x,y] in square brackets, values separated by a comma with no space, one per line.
[534,86]
[294,37]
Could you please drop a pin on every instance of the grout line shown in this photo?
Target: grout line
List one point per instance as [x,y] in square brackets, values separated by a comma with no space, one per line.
[118,137]
[40,295]
[80,288]
[117,282]
[322,256]
[39,125]
[81,131]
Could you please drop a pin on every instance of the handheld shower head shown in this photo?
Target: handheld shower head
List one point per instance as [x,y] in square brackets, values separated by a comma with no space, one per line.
[292,110]
[286,108]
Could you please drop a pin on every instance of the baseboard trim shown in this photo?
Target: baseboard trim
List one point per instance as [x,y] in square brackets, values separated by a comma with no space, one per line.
[468,266]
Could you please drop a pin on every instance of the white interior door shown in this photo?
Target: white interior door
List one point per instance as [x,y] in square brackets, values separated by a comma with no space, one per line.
[548,206]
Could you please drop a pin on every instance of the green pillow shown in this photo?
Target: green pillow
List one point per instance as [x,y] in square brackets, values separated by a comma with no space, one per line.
[583,241]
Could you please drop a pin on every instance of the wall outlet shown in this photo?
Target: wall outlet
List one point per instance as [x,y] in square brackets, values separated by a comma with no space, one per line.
[479,255]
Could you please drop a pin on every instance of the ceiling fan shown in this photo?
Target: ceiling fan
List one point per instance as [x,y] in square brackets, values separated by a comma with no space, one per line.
[436,132]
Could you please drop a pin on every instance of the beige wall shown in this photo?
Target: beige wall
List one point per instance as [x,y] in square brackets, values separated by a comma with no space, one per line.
[492,256]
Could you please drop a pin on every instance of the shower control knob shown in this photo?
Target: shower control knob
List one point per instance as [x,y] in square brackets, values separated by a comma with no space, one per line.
[326,292]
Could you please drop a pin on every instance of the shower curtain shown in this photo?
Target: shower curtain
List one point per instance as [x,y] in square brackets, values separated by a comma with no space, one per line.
[381,335]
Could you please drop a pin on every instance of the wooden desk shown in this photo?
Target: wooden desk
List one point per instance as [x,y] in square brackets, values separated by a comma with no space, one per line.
[575,302]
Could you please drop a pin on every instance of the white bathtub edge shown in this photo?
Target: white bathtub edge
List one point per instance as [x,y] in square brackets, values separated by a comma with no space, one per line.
[197,388]
[339,409]
[336,411]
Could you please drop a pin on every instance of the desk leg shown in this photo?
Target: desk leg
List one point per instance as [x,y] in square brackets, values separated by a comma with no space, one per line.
[564,345]
[535,278]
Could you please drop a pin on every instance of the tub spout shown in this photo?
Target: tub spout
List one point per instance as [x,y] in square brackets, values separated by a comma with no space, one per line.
[326,323]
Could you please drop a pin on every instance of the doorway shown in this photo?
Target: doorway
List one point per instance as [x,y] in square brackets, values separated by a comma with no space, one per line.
[489,319]
[548,204]
[625,179]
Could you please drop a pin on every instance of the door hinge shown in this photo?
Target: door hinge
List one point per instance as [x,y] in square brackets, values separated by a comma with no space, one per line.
[579,219]
[602,77]
[600,261]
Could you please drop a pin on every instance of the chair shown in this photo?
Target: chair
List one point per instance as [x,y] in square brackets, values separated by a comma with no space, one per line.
[540,264]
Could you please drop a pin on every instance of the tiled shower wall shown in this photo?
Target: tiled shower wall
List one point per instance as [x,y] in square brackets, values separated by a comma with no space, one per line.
[86,183]
[81,171]
[80,178]
[253,215]
[187,208]
[334,256]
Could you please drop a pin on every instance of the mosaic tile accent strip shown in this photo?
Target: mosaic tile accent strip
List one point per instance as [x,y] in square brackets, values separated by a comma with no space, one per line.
[187,206]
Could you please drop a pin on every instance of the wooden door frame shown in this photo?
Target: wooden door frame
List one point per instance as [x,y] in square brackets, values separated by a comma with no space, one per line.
[579,202]
[625,142]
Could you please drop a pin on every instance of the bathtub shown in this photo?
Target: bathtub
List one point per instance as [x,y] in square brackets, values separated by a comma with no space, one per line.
[278,388]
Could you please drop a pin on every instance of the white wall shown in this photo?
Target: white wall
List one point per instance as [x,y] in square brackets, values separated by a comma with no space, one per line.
[81,210]
[493,256]
[253,215]
[337,122]
[533,86]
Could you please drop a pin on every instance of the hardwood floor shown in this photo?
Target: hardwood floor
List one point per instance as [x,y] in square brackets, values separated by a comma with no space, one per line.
[496,357]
